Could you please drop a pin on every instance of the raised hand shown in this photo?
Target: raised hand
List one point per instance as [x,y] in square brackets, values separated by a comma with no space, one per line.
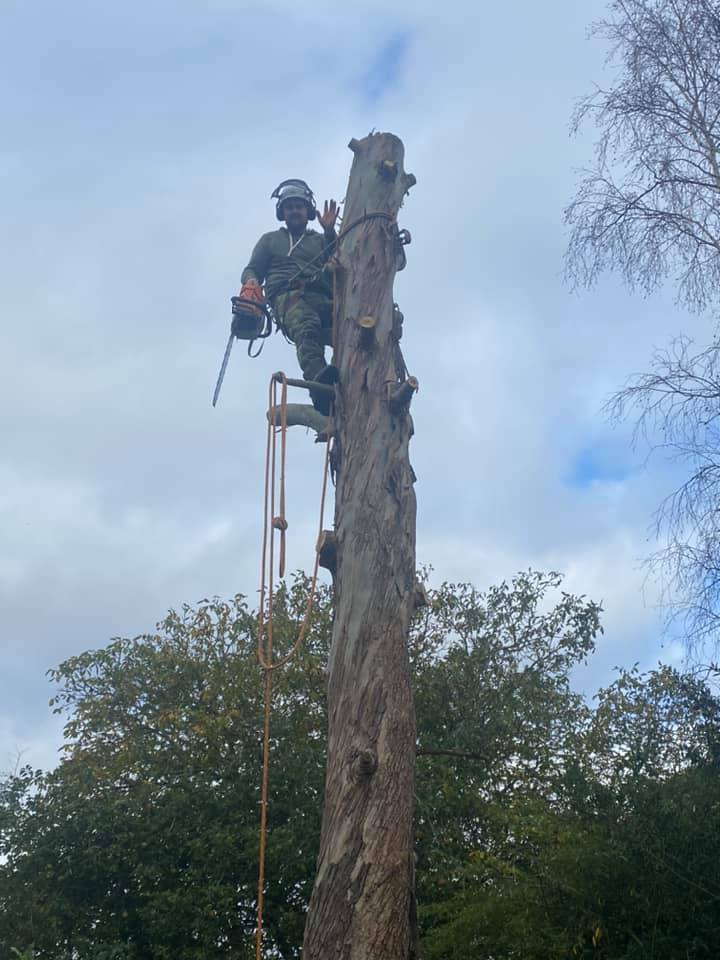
[327,218]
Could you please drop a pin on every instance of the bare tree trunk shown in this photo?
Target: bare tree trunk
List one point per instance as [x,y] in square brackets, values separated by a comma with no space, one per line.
[363,898]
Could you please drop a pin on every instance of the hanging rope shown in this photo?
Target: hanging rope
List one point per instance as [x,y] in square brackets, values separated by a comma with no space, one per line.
[273,523]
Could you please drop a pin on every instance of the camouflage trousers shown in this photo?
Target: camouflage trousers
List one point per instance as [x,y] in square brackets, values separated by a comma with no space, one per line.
[306,317]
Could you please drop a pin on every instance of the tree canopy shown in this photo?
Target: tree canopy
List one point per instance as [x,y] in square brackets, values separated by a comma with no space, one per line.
[545,826]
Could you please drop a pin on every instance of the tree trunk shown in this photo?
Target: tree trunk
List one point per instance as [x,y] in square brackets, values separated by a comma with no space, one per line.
[363,898]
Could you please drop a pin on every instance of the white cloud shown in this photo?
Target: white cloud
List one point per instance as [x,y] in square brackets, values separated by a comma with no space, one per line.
[141,150]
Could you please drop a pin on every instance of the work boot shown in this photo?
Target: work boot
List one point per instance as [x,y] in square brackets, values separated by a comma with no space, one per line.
[321,401]
[329,374]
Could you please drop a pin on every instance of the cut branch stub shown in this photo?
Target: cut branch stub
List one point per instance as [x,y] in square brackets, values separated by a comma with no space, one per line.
[402,394]
[366,326]
[327,551]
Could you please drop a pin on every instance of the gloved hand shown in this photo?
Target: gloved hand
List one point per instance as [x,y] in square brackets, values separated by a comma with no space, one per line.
[250,290]
[247,306]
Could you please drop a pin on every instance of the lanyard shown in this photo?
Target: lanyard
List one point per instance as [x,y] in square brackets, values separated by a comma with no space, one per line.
[293,245]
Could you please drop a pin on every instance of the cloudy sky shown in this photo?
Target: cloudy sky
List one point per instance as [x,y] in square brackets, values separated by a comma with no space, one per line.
[140,143]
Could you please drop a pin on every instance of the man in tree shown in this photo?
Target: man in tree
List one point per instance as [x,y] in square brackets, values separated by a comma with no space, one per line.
[290,262]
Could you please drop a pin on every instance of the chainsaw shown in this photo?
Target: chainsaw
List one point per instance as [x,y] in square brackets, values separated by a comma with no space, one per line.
[251,321]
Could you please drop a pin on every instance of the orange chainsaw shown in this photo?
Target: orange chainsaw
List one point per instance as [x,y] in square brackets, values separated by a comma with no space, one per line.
[251,320]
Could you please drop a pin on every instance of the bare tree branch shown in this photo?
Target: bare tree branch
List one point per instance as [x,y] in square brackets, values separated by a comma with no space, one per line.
[676,409]
[650,205]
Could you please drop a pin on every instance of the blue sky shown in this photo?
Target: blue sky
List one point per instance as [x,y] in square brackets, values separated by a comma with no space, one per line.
[141,144]
[385,69]
[597,465]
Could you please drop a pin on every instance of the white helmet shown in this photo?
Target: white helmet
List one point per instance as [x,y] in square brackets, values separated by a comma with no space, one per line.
[297,189]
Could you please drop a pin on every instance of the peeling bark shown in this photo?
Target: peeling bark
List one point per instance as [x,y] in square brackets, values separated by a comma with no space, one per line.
[362,905]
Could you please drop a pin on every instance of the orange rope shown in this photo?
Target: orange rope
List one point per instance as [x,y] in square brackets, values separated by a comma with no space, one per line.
[265,624]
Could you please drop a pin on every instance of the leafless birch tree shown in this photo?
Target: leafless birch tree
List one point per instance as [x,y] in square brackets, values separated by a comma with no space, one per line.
[649,207]
[676,407]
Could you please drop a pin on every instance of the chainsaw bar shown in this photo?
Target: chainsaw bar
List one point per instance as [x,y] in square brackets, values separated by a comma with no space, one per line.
[223,368]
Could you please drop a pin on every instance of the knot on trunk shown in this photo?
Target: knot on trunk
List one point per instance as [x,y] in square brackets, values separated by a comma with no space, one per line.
[364,764]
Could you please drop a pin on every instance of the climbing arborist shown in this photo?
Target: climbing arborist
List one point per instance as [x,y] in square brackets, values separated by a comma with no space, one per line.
[292,264]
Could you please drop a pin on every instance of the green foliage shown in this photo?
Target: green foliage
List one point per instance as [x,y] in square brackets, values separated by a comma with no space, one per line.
[146,833]
[546,828]
[615,856]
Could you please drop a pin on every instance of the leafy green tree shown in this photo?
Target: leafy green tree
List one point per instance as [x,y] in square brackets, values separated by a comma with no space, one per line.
[617,857]
[545,827]
[496,720]
[146,833]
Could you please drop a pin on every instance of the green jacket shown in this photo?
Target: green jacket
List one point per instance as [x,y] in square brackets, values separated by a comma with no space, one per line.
[274,263]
